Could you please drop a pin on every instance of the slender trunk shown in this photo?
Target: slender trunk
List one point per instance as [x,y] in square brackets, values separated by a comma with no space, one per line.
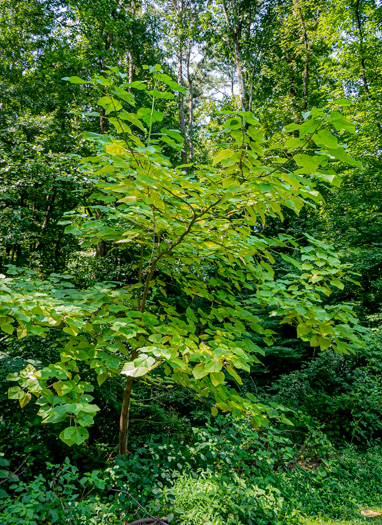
[50,200]
[103,121]
[305,84]
[250,100]
[363,64]
[57,252]
[101,249]
[240,76]
[191,123]
[182,121]
[125,417]
[101,246]
[308,53]
[131,68]
[18,255]
[292,92]
[235,34]
[190,80]
[305,73]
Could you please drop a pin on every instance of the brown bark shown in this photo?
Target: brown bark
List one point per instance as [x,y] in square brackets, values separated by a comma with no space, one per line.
[103,121]
[125,417]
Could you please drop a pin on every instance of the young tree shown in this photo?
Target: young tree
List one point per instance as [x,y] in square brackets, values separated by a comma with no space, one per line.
[200,232]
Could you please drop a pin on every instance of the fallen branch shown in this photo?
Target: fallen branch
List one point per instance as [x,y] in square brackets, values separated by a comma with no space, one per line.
[147,520]
[150,519]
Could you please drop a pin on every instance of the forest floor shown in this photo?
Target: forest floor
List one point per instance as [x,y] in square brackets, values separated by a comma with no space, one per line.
[336,495]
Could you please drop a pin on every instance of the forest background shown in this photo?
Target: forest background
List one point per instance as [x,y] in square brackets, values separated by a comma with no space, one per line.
[305,446]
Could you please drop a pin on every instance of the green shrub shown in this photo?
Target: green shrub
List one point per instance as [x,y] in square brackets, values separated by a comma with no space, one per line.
[349,482]
[223,500]
[342,395]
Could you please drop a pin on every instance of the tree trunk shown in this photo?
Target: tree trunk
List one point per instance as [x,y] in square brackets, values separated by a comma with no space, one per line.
[101,246]
[131,69]
[235,34]
[50,202]
[191,124]
[240,76]
[305,73]
[292,91]
[190,81]
[125,417]
[103,121]
[308,53]
[250,98]
[182,122]
[363,64]
[305,84]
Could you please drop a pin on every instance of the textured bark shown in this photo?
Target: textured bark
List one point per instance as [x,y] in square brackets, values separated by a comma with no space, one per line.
[103,121]
[131,68]
[125,417]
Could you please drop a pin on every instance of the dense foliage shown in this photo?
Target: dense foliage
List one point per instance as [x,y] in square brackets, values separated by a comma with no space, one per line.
[190,253]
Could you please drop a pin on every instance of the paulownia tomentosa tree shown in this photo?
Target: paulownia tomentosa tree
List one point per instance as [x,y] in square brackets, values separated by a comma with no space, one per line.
[199,226]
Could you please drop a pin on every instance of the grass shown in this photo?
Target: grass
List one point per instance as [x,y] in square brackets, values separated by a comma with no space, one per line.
[336,493]
[333,493]
[327,521]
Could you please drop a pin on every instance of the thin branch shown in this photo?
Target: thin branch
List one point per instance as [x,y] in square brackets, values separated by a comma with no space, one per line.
[16,471]
[140,277]
[156,520]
